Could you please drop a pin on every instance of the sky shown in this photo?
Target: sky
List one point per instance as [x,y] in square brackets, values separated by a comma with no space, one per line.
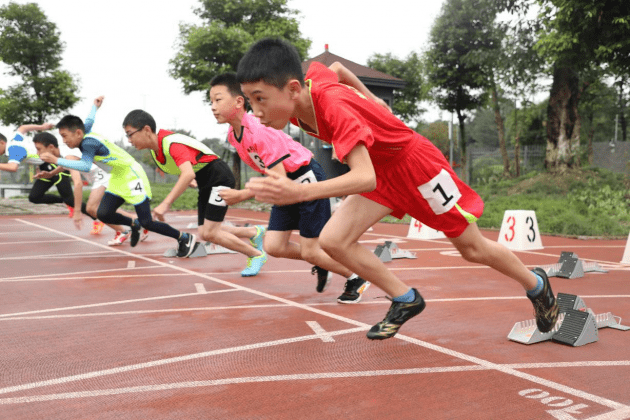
[121,49]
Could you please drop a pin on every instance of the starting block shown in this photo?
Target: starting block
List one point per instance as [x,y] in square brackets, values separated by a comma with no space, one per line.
[390,251]
[201,250]
[418,230]
[577,325]
[626,253]
[569,266]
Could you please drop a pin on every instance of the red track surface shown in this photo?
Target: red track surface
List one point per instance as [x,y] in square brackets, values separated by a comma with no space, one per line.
[89,331]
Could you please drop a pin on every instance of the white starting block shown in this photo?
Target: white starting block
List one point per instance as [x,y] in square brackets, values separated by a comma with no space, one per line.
[390,251]
[201,250]
[418,230]
[577,325]
[626,254]
[519,230]
[569,266]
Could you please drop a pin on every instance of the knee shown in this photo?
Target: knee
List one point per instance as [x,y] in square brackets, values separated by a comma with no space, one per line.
[473,253]
[92,210]
[146,221]
[273,249]
[331,244]
[102,214]
[35,199]
[308,254]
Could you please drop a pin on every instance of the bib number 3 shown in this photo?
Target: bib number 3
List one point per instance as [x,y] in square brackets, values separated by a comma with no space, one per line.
[215,198]
[441,192]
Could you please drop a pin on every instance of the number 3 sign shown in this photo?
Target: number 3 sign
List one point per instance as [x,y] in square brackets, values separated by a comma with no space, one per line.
[519,230]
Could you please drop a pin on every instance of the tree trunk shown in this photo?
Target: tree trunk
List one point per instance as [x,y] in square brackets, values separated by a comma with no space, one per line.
[236,169]
[622,108]
[498,119]
[591,133]
[563,134]
[462,144]
[517,143]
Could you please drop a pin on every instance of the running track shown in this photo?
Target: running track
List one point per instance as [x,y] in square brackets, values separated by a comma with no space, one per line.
[89,331]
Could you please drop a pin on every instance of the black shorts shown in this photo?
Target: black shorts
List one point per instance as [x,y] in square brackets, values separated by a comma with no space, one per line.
[308,217]
[212,178]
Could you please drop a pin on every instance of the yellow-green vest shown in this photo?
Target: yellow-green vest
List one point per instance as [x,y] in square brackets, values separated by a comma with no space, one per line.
[169,166]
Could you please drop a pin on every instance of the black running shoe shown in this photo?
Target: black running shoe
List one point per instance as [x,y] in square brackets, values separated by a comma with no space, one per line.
[135,232]
[398,314]
[186,244]
[353,290]
[323,278]
[545,305]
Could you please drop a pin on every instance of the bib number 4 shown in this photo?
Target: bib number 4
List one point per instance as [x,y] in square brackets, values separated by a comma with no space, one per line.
[136,187]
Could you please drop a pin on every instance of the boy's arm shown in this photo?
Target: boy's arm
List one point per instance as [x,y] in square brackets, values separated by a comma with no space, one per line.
[89,147]
[346,77]
[89,121]
[78,198]
[281,190]
[9,167]
[187,175]
[23,129]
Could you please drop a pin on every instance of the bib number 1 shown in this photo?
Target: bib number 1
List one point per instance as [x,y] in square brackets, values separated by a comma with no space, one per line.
[441,192]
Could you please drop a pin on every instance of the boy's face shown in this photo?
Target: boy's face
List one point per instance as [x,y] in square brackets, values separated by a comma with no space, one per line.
[3,147]
[224,105]
[139,137]
[72,139]
[273,107]
[42,149]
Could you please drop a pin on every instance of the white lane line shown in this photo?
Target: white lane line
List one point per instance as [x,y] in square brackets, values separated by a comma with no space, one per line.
[321,333]
[171,360]
[590,363]
[120,302]
[242,380]
[35,242]
[98,254]
[75,273]
[200,288]
[620,414]
[131,264]
[148,311]
[23,232]
[363,326]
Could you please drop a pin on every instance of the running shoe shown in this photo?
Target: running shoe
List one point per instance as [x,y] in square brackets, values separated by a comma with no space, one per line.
[254,264]
[97,227]
[353,290]
[545,305]
[257,239]
[119,239]
[135,232]
[323,278]
[70,210]
[398,314]
[144,235]
[186,244]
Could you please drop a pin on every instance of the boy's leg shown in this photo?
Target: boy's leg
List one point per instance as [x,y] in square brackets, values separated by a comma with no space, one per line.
[64,186]
[94,200]
[38,193]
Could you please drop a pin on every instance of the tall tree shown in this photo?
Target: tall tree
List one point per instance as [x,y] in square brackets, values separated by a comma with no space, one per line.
[406,104]
[459,82]
[31,47]
[229,27]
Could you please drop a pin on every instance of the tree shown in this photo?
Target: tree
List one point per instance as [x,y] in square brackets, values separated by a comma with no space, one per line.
[31,47]
[406,103]
[229,28]
[578,36]
[459,82]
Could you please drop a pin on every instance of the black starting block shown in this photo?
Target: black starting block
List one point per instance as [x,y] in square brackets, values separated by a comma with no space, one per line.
[569,266]
[390,250]
[577,325]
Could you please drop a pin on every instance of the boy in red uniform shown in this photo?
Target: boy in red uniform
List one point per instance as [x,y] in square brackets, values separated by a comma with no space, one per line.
[393,170]
[189,158]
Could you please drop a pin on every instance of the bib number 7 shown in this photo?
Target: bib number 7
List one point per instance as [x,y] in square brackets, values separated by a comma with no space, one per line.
[441,192]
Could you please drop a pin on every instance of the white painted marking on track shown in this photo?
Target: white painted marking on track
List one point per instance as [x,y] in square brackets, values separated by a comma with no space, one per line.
[322,333]
[200,288]
[360,325]
[46,276]
[131,264]
[36,242]
[619,414]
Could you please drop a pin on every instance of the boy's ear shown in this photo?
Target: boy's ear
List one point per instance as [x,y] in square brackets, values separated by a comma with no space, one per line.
[240,102]
[295,88]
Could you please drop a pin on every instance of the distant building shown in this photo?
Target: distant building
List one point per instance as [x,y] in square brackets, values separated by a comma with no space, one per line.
[379,83]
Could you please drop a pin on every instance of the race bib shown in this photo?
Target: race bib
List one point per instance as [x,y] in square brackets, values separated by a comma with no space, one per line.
[136,187]
[257,160]
[441,192]
[215,198]
[307,178]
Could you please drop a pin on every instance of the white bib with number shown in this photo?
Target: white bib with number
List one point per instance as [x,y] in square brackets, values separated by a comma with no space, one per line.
[215,198]
[441,192]
[136,187]
[257,160]
[307,178]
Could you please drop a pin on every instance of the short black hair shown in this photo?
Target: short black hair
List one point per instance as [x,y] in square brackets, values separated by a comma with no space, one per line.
[72,123]
[2,138]
[230,81]
[138,119]
[271,60]
[46,139]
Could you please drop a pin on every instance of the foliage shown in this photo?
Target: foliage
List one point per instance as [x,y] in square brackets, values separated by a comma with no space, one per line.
[229,28]
[437,133]
[31,47]
[406,104]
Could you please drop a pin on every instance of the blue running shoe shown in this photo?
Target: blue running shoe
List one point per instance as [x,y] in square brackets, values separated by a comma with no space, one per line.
[257,239]
[254,264]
